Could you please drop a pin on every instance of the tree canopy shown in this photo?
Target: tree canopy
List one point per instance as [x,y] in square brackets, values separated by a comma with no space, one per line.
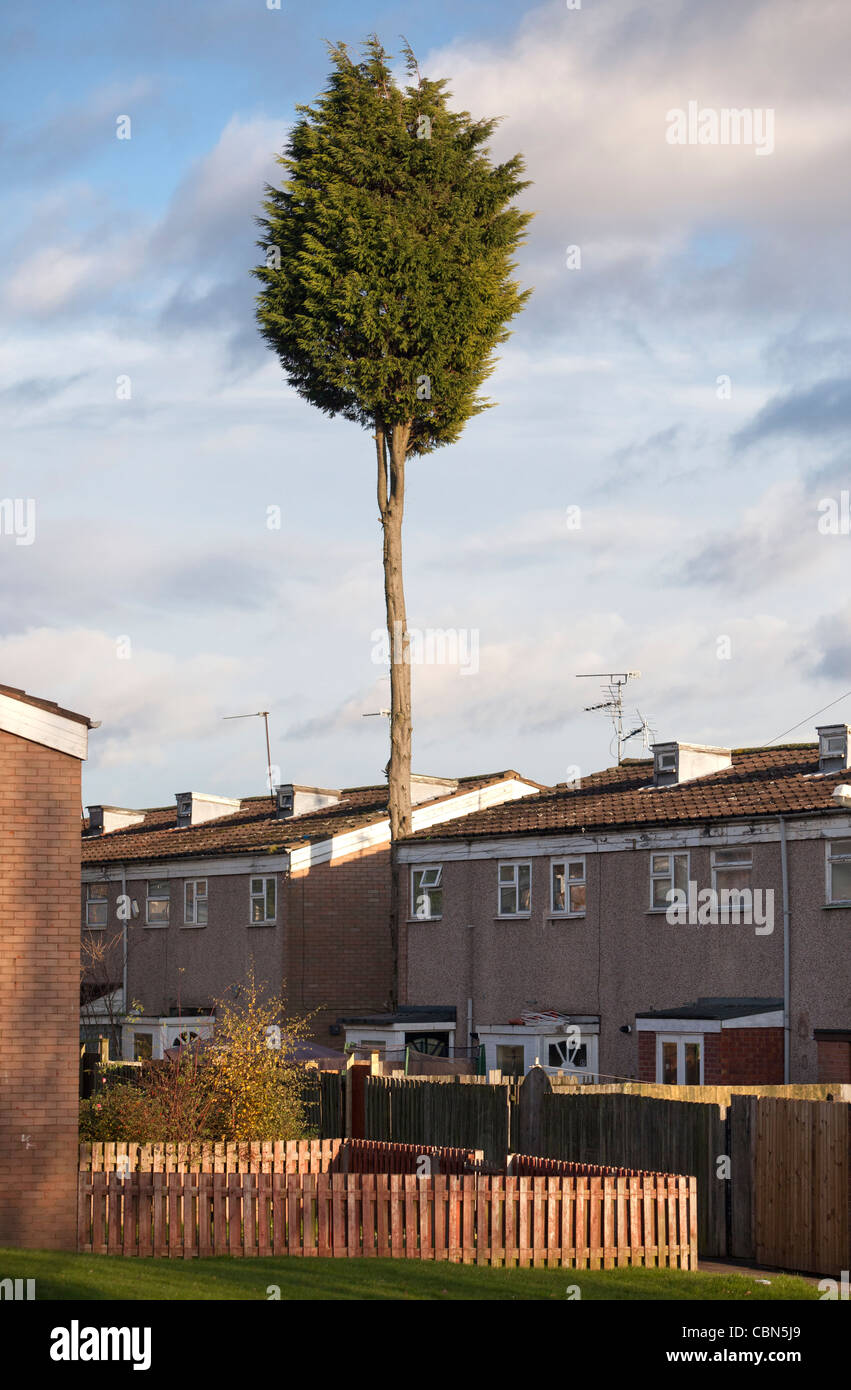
[387,281]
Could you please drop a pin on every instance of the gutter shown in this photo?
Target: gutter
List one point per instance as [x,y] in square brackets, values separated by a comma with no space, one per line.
[784,871]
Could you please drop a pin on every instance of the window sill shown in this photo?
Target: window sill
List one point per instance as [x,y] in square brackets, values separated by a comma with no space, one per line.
[832,907]
[193,926]
[412,920]
[263,924]
[156,926]
[566,916]
[659,912]
[512,917]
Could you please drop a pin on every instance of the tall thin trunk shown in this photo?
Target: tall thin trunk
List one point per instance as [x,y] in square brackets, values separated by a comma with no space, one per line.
[391,448]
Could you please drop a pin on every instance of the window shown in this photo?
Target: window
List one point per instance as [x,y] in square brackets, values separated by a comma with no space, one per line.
[97,904]
[157,903]
[667,871]
[679,1060]
[510,1059]
[731,869]
[839,871]
[427,892]
[195,902]
[264,900]
[566,1052]
[143,1047]
[515,890]
[568,887]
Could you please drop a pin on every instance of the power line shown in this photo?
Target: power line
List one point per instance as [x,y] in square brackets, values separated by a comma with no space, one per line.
[808,718]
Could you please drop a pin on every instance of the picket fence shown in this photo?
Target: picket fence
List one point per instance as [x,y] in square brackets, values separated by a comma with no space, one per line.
[581,1222]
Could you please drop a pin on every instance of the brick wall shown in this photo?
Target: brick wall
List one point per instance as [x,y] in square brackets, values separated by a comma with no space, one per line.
[834,1060]
[750,1055]
[337,954]
[39,993]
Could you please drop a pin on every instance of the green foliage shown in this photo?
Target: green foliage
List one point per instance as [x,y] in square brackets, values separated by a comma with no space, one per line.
[239,1088]
[389,252]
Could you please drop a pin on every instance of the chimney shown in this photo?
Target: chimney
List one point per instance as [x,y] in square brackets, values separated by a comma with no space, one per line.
[674,763]
[193,808]
[292,800]
[833,747]
[103,819]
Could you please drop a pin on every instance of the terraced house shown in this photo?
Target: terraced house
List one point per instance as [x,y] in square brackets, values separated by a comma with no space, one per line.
[179,901]
[684,919]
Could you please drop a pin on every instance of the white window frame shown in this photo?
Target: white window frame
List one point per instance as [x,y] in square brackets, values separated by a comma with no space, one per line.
[829,860]
[680,1039]
[672,855]
[430,888]
[744,861]
[157,897]
[566,860]
[261,896]
[568,1066]
[190,915]
[100,898]
[516,865]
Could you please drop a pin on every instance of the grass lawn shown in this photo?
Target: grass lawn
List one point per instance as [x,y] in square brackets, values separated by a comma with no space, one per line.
[84,1277]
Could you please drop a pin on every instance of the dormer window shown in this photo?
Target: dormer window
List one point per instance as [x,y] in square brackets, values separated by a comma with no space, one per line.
[667,762]
[833,743]
[676,762]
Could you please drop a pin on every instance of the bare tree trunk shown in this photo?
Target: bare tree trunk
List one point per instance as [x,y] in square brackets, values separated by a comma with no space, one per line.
[391,448]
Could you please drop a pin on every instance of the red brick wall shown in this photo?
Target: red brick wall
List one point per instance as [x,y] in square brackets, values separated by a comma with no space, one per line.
[39,993]
[750,1055]
[337,954]
[647,1056]
[834,1060]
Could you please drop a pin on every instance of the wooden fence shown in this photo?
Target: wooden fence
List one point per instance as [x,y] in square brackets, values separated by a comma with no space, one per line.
[580,1222]
[463,1111]
[290,1156]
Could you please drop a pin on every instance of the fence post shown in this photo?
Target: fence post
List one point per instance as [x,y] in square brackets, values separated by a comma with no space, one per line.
[530,1110]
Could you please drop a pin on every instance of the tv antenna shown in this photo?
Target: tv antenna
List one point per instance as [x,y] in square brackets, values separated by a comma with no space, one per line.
[264,715]
[613,706]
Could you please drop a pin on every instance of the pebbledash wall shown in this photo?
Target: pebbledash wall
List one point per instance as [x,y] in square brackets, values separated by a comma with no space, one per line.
[621,958]
[41,749]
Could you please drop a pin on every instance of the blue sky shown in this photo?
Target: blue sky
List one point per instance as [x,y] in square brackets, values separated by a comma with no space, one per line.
[155,597]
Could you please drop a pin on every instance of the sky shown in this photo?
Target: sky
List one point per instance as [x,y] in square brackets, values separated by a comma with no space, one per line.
[662,485]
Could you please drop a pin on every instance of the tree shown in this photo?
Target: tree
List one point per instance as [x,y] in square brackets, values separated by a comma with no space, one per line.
[387,286]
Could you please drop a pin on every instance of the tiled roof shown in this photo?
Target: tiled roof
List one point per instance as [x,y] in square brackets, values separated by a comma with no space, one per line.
[761,782]
[253,829]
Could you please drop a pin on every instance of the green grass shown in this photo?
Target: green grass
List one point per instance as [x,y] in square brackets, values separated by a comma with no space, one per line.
[84,1277]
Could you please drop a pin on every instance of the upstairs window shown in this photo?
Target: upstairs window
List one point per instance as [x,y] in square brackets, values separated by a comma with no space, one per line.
[264,901]
[568,887]
[427,892]
[839,871]
[515,890]
[97,904]
[667,871]
[157,902]
[731,869]
[195,902]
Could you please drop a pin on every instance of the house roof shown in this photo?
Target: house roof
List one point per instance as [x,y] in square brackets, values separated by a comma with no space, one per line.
[14,693]
[718,1008]
[406,1013]
[760,782]
[254,828]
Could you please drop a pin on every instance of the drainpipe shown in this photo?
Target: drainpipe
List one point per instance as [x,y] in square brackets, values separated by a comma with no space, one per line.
[784,870]
[124,951]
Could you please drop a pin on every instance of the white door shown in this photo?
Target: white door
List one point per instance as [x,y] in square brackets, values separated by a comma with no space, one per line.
[679,1059]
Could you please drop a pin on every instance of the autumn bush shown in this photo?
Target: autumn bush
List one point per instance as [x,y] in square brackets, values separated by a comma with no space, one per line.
[245,1085]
